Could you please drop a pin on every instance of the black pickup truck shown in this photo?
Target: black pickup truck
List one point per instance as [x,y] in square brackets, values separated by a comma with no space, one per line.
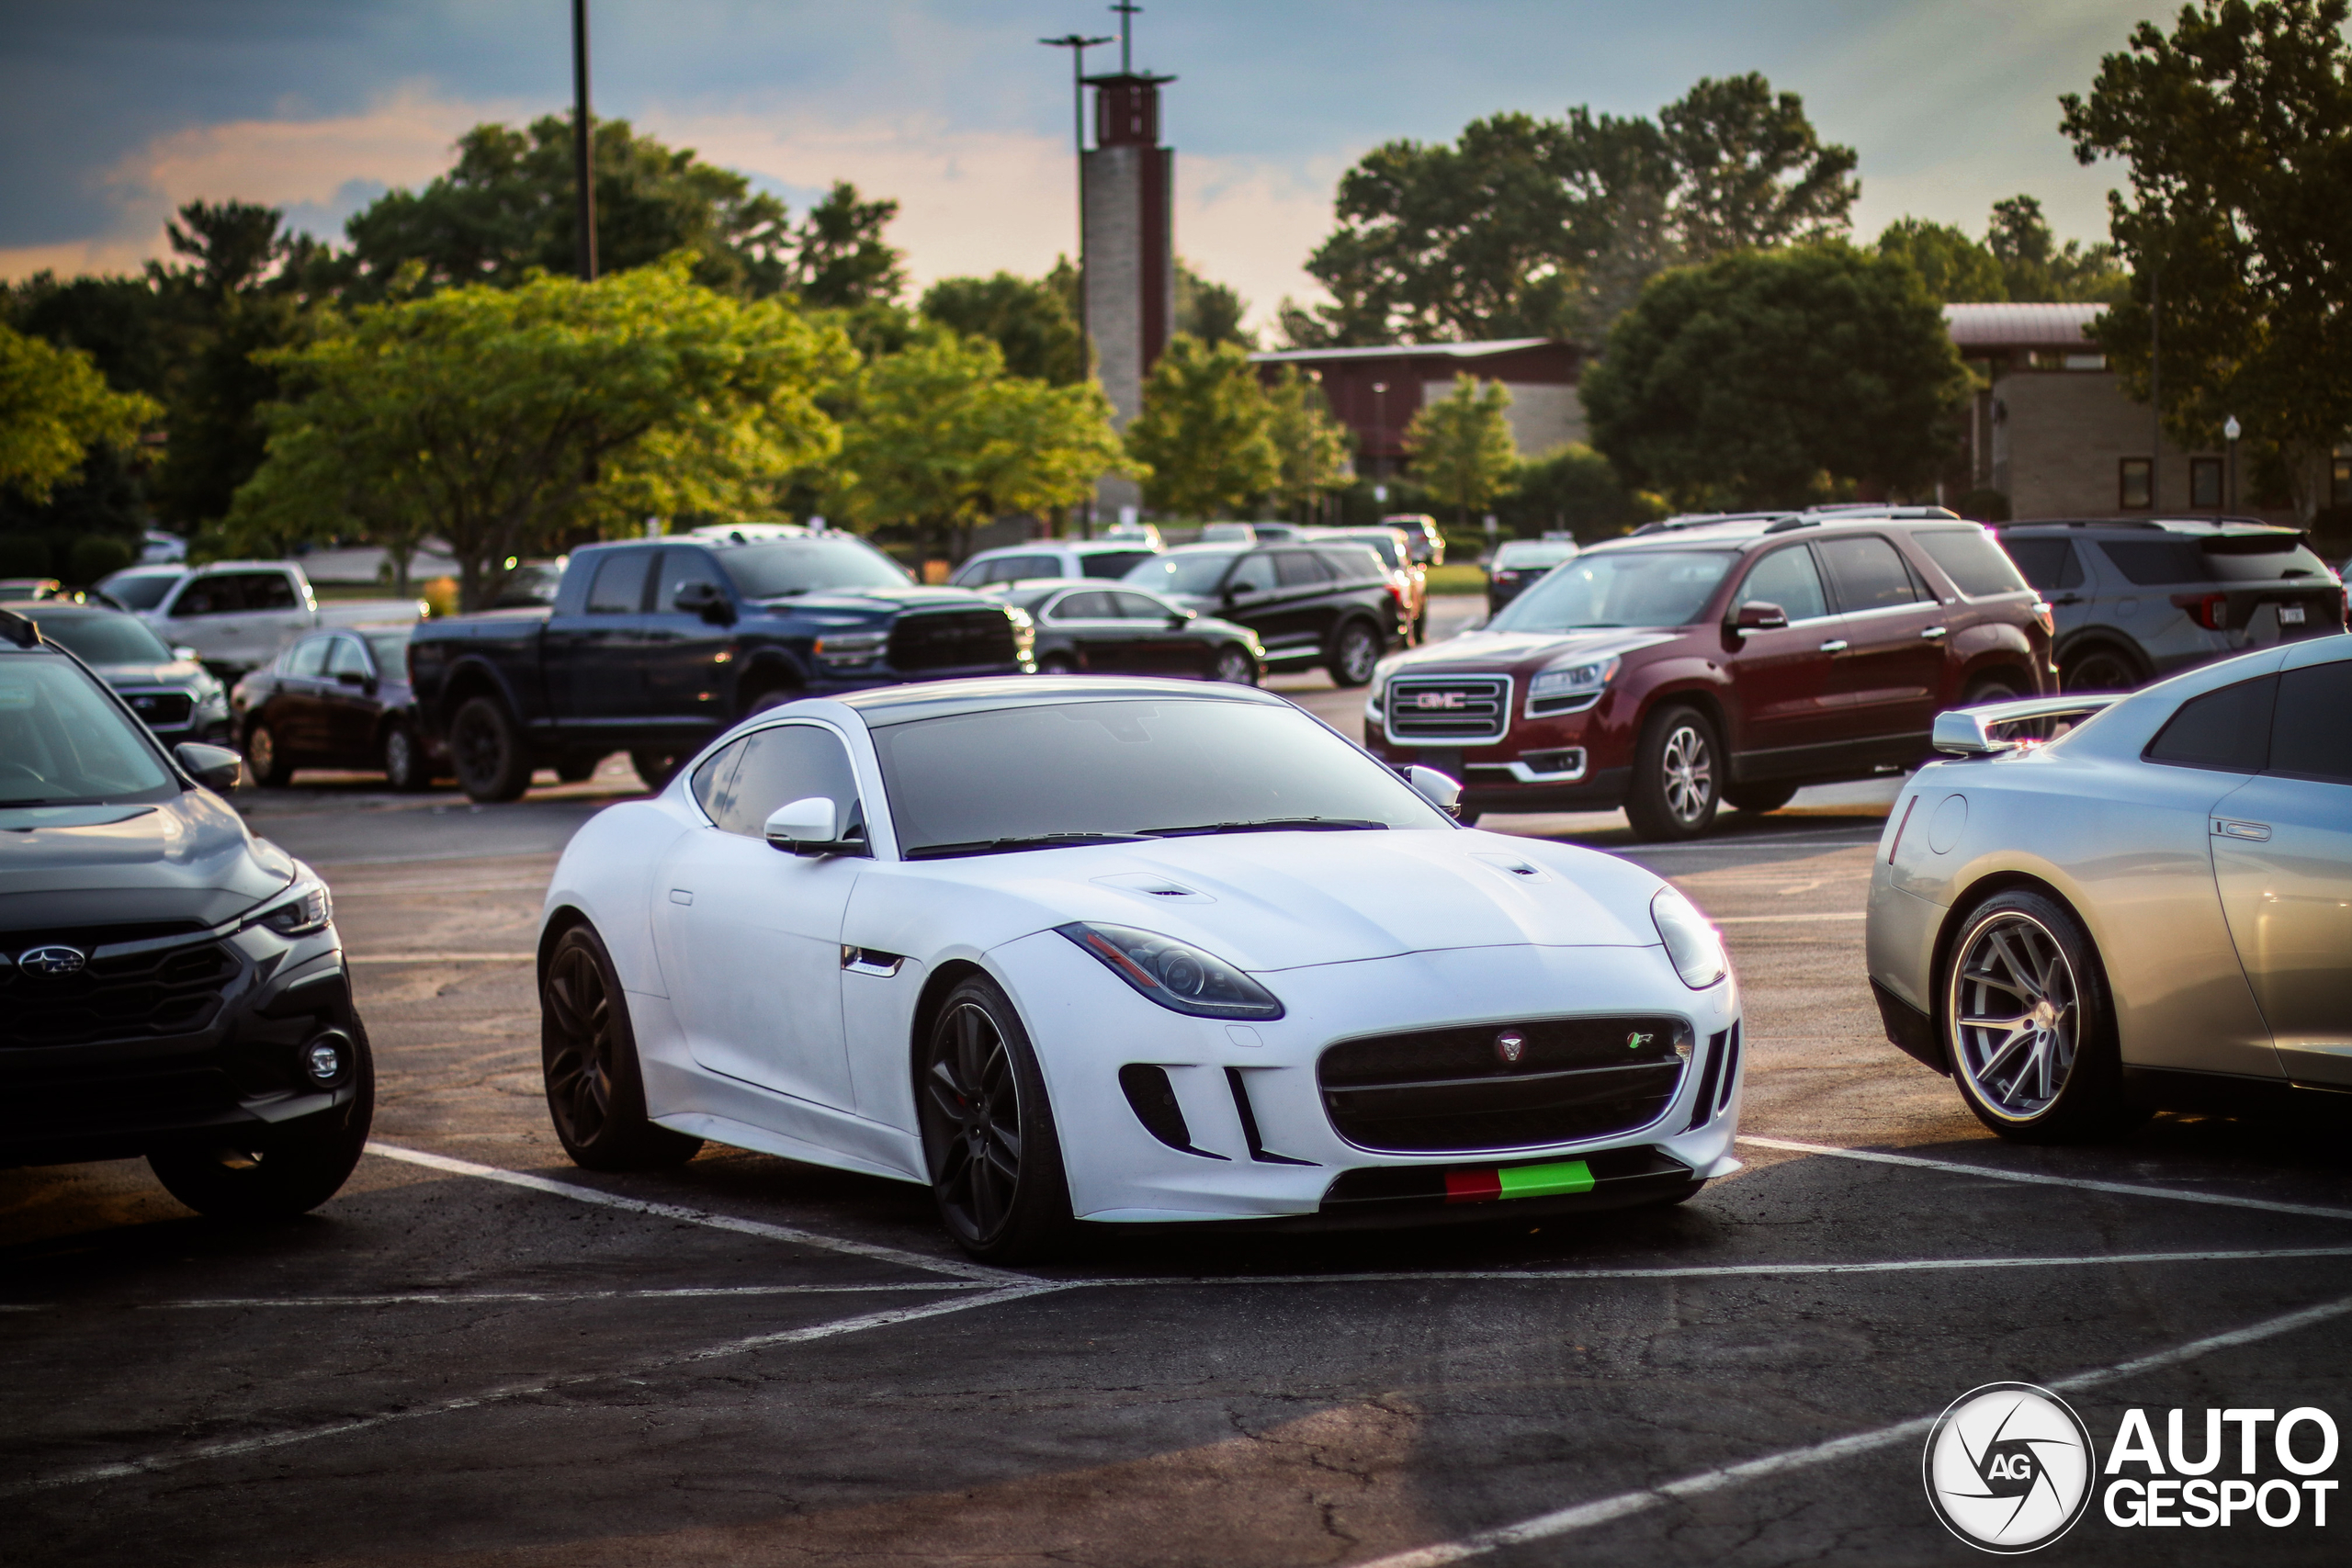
[655,646]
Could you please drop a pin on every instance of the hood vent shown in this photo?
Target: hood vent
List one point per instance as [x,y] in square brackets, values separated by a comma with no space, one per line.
[1156,886]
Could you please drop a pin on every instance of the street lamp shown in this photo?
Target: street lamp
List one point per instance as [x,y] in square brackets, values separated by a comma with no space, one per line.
[2231,430]
[1380,430]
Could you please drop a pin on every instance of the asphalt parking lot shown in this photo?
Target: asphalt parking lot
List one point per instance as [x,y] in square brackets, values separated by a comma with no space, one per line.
[480,1354]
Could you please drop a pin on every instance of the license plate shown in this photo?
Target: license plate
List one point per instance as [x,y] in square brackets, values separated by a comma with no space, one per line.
[2291,614]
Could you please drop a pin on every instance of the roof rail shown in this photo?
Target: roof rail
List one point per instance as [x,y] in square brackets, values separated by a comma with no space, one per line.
[1799,521]
[15,629]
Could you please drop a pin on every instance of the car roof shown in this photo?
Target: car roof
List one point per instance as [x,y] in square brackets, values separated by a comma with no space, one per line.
[1746,527]
[2204,527]
[54,609]
[882,705]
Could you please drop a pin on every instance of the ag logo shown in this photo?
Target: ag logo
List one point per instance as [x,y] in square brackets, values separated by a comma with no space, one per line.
[1511,1045]
[50,960]
[2008,1468]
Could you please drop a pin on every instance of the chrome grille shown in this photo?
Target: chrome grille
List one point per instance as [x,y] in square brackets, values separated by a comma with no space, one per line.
[162,710]
[953,639]
[1447,709]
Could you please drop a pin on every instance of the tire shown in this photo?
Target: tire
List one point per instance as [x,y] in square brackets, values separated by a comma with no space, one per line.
[1422,627]
[1677,776]
[1355,648]
[1759,798]
[280,1172]
[1234,666]
[773,697]
[2043,1068]
[1468,818]
[2099,668]
[1054,664]
[987,1130]
[657,768]
[270,764]
[487,751]
[588,1055]
[576,767]
[406,767]
[1999,687]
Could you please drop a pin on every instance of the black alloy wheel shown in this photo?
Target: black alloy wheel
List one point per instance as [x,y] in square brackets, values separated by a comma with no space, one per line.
[988,1132]
[2099,669]
[1234,666]
[588,1053]
[284,1172]
[1354,650]
[269,763]
[1759,798]
[1678,776]
[657,768]
[406,767]
[493,764]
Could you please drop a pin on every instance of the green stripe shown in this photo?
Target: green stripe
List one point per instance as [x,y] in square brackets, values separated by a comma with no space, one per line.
[1545,1180]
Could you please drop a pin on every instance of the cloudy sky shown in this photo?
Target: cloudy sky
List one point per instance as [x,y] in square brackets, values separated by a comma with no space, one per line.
[114,111]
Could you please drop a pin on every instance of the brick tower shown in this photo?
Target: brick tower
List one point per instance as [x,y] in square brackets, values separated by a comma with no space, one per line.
[1129,185]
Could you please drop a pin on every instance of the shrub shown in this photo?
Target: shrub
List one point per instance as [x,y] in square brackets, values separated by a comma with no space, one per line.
[95,555]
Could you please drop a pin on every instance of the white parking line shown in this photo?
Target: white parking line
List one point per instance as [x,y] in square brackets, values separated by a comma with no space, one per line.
[699,1217]
[1567,1521]
[235,1448]
[2127,1189]
[498,1298]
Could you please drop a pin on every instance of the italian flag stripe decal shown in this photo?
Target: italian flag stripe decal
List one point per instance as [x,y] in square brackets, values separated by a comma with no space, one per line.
[1518,1181]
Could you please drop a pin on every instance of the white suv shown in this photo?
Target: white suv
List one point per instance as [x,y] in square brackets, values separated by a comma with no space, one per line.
[1110,559]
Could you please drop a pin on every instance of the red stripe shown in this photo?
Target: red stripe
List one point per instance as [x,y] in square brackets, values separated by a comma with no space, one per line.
[1472,1186]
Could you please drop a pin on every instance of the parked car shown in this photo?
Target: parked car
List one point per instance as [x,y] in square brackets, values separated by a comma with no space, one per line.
[1718,660]
[2134,600]
[653,646]
[337,699]
[1145,533]
[1409,579]
[174,695]
[1428,542]
[156,547]
[1127,951]
[2154,910]
[171,986]
[1106,558]
[1086,628]
[1328,605]
[1518,563]
[237,614]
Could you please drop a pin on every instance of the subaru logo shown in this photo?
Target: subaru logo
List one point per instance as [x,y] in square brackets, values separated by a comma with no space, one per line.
[1438,700]
[1511,1045]
[52,960]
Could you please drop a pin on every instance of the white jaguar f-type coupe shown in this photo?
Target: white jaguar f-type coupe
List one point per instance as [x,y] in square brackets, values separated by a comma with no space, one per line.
[1075,948]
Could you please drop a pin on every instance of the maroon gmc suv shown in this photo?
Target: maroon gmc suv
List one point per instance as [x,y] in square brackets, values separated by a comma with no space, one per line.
[1713,658]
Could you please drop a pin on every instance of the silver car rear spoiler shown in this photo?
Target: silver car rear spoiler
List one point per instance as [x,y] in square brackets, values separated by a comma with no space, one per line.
[1971,732]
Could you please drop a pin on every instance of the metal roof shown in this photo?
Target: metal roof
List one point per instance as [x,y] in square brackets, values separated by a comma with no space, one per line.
[2022,326]
[1407,350]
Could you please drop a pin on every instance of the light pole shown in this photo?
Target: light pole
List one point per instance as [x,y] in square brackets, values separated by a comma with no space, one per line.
[1380,430]
[2231,430]
[584,143]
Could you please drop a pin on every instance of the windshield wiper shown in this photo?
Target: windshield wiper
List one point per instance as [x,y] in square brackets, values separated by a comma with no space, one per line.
[1032,841]
[1269,825]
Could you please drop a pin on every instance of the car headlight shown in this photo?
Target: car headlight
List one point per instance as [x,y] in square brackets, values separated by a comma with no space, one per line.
[1567,683]
[1179,979]
[309,910]
[851,649]
[1691,942]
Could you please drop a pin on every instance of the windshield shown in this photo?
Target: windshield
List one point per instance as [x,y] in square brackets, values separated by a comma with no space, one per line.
[1194,572]
[142,591]
[965,782]
[784,566]
[1532,552]
[390,649]
[2216,558]
[1619,588]
[65,742]
[105,639]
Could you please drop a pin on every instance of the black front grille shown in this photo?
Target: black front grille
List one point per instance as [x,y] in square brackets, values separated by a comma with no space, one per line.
[136,996]
[1449,708]
[953,639]
[162,710]
[1440,1090]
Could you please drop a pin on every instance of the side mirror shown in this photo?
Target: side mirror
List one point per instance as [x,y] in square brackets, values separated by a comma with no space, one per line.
[1236,591]
[1436,788]
[1759,616]
[708,600]
[351,678]
[1179,619]
[812,826]
[184,655]
[217,768]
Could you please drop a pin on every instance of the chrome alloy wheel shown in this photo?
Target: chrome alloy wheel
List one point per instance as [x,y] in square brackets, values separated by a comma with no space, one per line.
[973,1119]
[1688,774]
[2016,1013]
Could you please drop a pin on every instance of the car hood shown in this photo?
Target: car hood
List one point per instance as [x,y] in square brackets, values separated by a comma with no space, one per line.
[1275,901]
[178,673]
[186,859]
[867,600]
[1490,649]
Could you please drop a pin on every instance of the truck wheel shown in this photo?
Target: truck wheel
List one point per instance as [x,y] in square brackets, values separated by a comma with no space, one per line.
[1677,776]
[282,1172]
[2099,669]
[1759,797]
[406,767]
[1354,651]
[270,765]
[491,762]
[657,768]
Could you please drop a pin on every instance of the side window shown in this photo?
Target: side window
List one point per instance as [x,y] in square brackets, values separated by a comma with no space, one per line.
[679,568]
[1110,563]
[1082,607]
[220,596]
[347,658]
[1299,568]
[2228,729]
[619,588]
[309,660]
[270,590]
[2309,739]
[711,781]
[1867,573]
[1135,607]
[1973,561]
[2047,563]
[1787,578]
[1014,569]
[789,762]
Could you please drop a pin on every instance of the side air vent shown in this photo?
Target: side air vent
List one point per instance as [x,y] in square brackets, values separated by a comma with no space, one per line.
[1702,1104]
[1153,1100]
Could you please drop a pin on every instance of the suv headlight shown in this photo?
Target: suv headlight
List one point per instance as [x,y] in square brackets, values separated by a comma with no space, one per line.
[308,910]
[1691,942]
[1569,685]
[1179,979]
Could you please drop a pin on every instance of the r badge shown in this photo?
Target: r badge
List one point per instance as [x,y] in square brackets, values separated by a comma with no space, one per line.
[1636,1041]
[1511,1045]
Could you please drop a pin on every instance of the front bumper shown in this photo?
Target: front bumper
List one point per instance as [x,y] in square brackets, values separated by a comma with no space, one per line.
[1264,1145]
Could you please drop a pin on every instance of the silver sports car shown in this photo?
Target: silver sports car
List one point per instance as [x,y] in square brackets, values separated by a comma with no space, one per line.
[2152,912]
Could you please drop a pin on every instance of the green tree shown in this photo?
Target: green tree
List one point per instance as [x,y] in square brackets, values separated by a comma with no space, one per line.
[2034,266]
[1955,268]
[504,418]
[1575,488]
[1460,445]
[1203,429]
[1768,377]
[1030,322]
[840,259]
[54,407]
[2237,129]
[1310,446]
[1210,311]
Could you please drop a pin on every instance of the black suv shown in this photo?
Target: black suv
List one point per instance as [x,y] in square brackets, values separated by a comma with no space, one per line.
[170,985]
[1333,604]
[2136,599]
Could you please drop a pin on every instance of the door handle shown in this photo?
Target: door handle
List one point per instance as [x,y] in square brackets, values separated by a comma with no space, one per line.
[1932,633]
[2257,831]
[2067,599]
[1834,644]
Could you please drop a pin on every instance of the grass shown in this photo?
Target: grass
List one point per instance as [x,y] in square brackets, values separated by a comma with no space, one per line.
[1459,579]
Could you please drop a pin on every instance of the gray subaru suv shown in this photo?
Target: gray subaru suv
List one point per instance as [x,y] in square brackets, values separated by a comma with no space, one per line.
[2136,599]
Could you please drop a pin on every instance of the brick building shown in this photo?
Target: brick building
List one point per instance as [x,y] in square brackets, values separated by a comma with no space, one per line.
[1376,391]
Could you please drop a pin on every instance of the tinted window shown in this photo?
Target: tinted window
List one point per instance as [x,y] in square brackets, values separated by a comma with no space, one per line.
[783,567]
[1110,563]
[777,767]
[1012,568]
[1619,588]
[391,653]
[1357,563]
[1867,573]
[270,590]
[619,588]
[2047,563]
[105,639]
[680,569]
[2147,561]
[1973,560]
[1128,767]
[309,657]
[211,596]
[1390,557]
[348,657]
[140,593]
[2258,558]
[1195,571]
[1135,607]
[2229,729]
[1534,552]
[62,741]
[1298,568]
[1082,607]
[1786,577]
[710,781]
[2310,738]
